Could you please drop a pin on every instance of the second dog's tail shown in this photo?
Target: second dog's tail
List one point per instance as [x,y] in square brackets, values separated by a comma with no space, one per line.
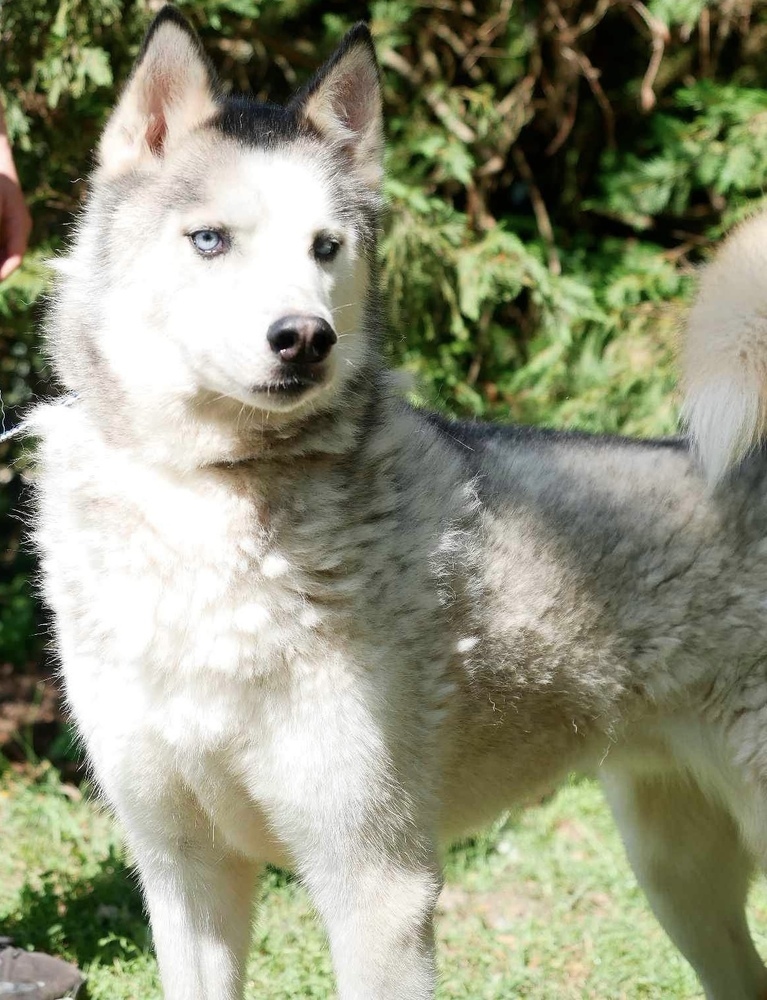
[725,353]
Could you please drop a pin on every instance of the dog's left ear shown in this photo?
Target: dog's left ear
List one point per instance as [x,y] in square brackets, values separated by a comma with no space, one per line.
[343,103]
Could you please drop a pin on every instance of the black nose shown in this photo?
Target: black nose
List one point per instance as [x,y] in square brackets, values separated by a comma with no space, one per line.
[301,339]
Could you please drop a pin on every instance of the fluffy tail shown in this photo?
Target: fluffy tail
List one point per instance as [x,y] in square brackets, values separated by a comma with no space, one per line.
[725,353]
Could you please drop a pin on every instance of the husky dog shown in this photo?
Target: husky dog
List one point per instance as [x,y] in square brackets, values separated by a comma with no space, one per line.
[302,623]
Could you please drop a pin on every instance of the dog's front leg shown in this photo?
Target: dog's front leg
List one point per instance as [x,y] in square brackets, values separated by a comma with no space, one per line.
[363,850]
[199,894]
[379,922]
[200,911]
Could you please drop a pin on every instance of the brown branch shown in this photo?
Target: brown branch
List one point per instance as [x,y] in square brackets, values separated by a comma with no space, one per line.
[591,74]
[565,128]
[727,13]
[539,208]
[400,65]
[659,35]
[704,33]
[460,49]
[589,21]
[440,107]
[515,111]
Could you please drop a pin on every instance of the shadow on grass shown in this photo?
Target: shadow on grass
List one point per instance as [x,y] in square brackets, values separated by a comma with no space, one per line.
[97,919]
[100,918]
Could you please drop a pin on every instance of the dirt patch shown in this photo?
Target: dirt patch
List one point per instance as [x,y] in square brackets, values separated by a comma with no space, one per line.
[32,716]
[499,909]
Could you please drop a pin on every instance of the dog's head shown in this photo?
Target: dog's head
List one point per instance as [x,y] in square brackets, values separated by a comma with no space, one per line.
[224,261]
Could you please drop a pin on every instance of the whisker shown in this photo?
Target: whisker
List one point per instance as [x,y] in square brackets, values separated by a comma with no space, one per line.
[239,417]
[198,404]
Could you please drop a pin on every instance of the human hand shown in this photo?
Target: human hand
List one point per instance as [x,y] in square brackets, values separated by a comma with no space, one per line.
[15,220]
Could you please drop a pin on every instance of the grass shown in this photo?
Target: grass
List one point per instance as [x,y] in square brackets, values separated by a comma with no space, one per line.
[542,907]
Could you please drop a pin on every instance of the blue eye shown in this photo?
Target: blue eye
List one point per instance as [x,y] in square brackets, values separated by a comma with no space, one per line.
[209,242]
[325,248]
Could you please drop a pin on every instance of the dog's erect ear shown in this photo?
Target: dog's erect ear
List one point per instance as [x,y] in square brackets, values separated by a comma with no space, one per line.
[170,91]
[343,103]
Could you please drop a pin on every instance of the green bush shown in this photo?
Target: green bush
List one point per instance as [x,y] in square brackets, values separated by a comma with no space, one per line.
[555,171]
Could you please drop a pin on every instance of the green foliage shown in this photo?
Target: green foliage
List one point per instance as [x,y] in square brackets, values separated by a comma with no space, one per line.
[554,170]
[711,144]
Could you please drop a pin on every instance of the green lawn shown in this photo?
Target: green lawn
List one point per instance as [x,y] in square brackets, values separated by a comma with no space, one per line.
[545,908]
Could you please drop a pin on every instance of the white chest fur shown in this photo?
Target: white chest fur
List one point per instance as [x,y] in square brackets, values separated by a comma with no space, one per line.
[172,572]
[183,632]
[251,661]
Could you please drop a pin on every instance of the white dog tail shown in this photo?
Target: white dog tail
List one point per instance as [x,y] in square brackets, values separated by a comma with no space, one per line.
[725,353]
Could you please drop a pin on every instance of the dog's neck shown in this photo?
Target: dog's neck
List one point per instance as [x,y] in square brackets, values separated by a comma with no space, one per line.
[220,433]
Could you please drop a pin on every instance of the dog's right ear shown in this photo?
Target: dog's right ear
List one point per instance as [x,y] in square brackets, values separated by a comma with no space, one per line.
[171,90]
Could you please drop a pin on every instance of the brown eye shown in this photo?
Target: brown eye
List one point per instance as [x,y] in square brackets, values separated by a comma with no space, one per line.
[325,248]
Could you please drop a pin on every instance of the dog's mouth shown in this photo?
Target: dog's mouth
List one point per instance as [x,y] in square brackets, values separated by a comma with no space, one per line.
[294,384]
[288,387]
[284,391]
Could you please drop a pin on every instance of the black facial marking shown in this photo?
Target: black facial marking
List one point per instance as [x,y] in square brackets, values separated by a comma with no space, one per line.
[257,124]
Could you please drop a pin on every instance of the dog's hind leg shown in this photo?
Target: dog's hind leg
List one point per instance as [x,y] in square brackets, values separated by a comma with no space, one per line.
[688,856]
